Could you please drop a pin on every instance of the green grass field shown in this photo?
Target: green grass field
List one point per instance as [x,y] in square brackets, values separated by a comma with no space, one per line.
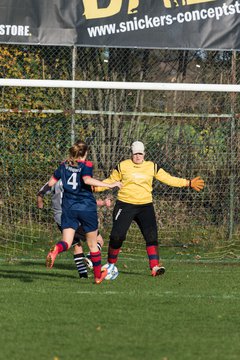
[192,312]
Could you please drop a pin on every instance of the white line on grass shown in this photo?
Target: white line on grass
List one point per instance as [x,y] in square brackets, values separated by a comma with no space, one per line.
[164,294]
[171,294]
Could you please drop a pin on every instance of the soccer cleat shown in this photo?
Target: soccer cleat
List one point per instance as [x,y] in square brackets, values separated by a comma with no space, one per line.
[103,275]
[158,270]
[83,275]
[88,261]
[51,257]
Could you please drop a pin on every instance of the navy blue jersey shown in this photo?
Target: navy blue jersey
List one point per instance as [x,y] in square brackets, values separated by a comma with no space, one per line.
[77,195]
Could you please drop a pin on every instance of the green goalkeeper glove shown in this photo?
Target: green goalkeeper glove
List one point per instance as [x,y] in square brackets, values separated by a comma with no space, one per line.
[197,183]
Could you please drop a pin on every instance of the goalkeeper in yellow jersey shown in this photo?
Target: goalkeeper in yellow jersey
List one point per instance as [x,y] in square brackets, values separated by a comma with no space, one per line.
[134,203]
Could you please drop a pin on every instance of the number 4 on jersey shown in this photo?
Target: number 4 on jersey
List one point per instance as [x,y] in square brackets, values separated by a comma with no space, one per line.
[73,181]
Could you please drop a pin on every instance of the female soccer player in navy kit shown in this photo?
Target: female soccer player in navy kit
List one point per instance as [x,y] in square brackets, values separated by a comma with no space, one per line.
[78,205]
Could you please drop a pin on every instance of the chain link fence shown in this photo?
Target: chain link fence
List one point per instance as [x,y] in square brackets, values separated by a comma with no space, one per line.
[187,133]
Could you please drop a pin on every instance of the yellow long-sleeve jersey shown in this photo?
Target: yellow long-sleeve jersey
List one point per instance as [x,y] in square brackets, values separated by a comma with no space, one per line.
[137,181]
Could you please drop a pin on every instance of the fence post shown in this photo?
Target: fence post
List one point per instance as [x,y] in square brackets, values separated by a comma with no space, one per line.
[232,154]
[232,180]
[74,57]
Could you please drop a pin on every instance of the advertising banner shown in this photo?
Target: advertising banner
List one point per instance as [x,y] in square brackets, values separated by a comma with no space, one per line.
[173,24]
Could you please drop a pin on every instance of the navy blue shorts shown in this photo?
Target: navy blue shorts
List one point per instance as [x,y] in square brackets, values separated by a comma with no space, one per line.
[72,219]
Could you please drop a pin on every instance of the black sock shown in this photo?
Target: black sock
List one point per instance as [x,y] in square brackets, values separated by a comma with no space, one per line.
[81,266]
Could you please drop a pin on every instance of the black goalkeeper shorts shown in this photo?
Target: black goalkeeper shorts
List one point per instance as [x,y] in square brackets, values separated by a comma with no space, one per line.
[144,215]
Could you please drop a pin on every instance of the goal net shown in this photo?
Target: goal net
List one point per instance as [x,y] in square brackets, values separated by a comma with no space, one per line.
[188,129]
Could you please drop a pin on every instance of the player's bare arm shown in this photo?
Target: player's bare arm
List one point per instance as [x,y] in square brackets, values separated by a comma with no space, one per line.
[94,182]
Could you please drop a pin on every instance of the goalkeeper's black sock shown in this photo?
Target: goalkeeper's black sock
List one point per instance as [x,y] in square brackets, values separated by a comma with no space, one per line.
[80,264]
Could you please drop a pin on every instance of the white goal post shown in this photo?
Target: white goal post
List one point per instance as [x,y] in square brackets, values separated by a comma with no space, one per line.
[120,85]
